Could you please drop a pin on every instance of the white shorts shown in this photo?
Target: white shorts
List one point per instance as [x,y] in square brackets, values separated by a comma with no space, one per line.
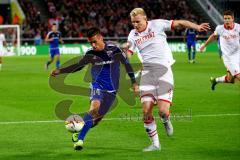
[156,83]
[232,63]
[232,67]
[1,52]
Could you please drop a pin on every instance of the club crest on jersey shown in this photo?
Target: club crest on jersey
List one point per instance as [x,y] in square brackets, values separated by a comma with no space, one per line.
[109,53]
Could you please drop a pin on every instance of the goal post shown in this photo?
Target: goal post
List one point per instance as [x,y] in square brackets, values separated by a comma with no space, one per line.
[13,38]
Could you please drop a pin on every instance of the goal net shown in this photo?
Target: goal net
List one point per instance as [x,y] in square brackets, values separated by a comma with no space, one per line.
[12,37]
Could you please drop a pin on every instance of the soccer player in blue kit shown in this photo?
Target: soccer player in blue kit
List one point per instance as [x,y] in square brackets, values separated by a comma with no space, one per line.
[105,59]
[53,37]
[191,35]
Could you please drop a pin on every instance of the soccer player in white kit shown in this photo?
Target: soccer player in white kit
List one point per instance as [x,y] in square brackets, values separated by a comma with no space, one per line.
[156,86]
[230,47]
[2,43]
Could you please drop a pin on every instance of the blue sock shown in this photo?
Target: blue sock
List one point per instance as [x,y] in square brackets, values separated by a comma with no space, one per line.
[58,64]
[88,124]
[189,54]
[194,53]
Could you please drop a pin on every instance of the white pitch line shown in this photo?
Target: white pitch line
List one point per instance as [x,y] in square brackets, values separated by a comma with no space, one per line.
[128,118]
[29,122]
[216,115]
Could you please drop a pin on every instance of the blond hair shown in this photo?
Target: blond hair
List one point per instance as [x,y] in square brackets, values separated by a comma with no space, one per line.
[137,11]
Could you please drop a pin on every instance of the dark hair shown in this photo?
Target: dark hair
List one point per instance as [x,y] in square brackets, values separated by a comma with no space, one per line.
[54,24]
[228,13]
[93,31]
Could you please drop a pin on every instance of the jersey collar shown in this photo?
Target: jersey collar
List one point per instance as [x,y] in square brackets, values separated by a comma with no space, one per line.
[230,28]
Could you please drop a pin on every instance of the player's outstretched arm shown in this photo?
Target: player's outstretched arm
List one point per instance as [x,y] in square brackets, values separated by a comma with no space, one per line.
[187,24]
[131,74]
[72,68]
[68,69]
[125,49]
[124,60]
[211,38]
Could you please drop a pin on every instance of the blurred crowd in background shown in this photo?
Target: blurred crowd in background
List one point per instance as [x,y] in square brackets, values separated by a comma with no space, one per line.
[73,17]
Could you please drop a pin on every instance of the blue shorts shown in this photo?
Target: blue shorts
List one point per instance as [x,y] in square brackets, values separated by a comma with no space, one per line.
[54,52]
[191,44]
[106,98]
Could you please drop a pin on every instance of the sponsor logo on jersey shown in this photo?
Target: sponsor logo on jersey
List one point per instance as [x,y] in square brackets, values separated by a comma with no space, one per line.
[103,62]
[145,38]
[231,36]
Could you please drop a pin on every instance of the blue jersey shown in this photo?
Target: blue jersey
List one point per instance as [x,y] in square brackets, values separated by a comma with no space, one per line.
[191,35]
[56,37]
[105,69]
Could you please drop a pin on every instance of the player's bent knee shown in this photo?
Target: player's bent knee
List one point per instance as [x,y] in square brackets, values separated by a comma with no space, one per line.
[146,111]
[229,78]
[163,108]
[237,78]
[95,116]
[96,120]
[147,115]
[164,111]
[93,112]
[148,118]
[232,79]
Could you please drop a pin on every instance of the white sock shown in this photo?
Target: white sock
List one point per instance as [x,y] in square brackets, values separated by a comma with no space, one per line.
[151,129]
[221,79]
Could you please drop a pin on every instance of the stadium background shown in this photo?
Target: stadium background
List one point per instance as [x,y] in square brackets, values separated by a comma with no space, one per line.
[206,123]
[73,17]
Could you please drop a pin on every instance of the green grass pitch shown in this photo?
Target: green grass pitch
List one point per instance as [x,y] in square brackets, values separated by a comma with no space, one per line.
[206,123]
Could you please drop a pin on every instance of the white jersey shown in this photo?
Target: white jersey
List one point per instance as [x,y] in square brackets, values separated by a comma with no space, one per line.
[229,42]
[152,42]
[2,39]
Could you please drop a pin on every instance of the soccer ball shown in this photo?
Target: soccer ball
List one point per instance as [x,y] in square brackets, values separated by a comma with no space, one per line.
[74,123]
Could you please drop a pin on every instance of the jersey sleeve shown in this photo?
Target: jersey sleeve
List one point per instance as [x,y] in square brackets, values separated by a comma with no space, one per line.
[164,25]
[60,35]
[121,56]
[217,31]
[49,35]
[77,66]
[131,44]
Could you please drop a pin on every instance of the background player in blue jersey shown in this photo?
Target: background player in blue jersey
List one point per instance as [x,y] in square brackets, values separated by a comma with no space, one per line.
[53,37]
[105,59]
[191,36]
